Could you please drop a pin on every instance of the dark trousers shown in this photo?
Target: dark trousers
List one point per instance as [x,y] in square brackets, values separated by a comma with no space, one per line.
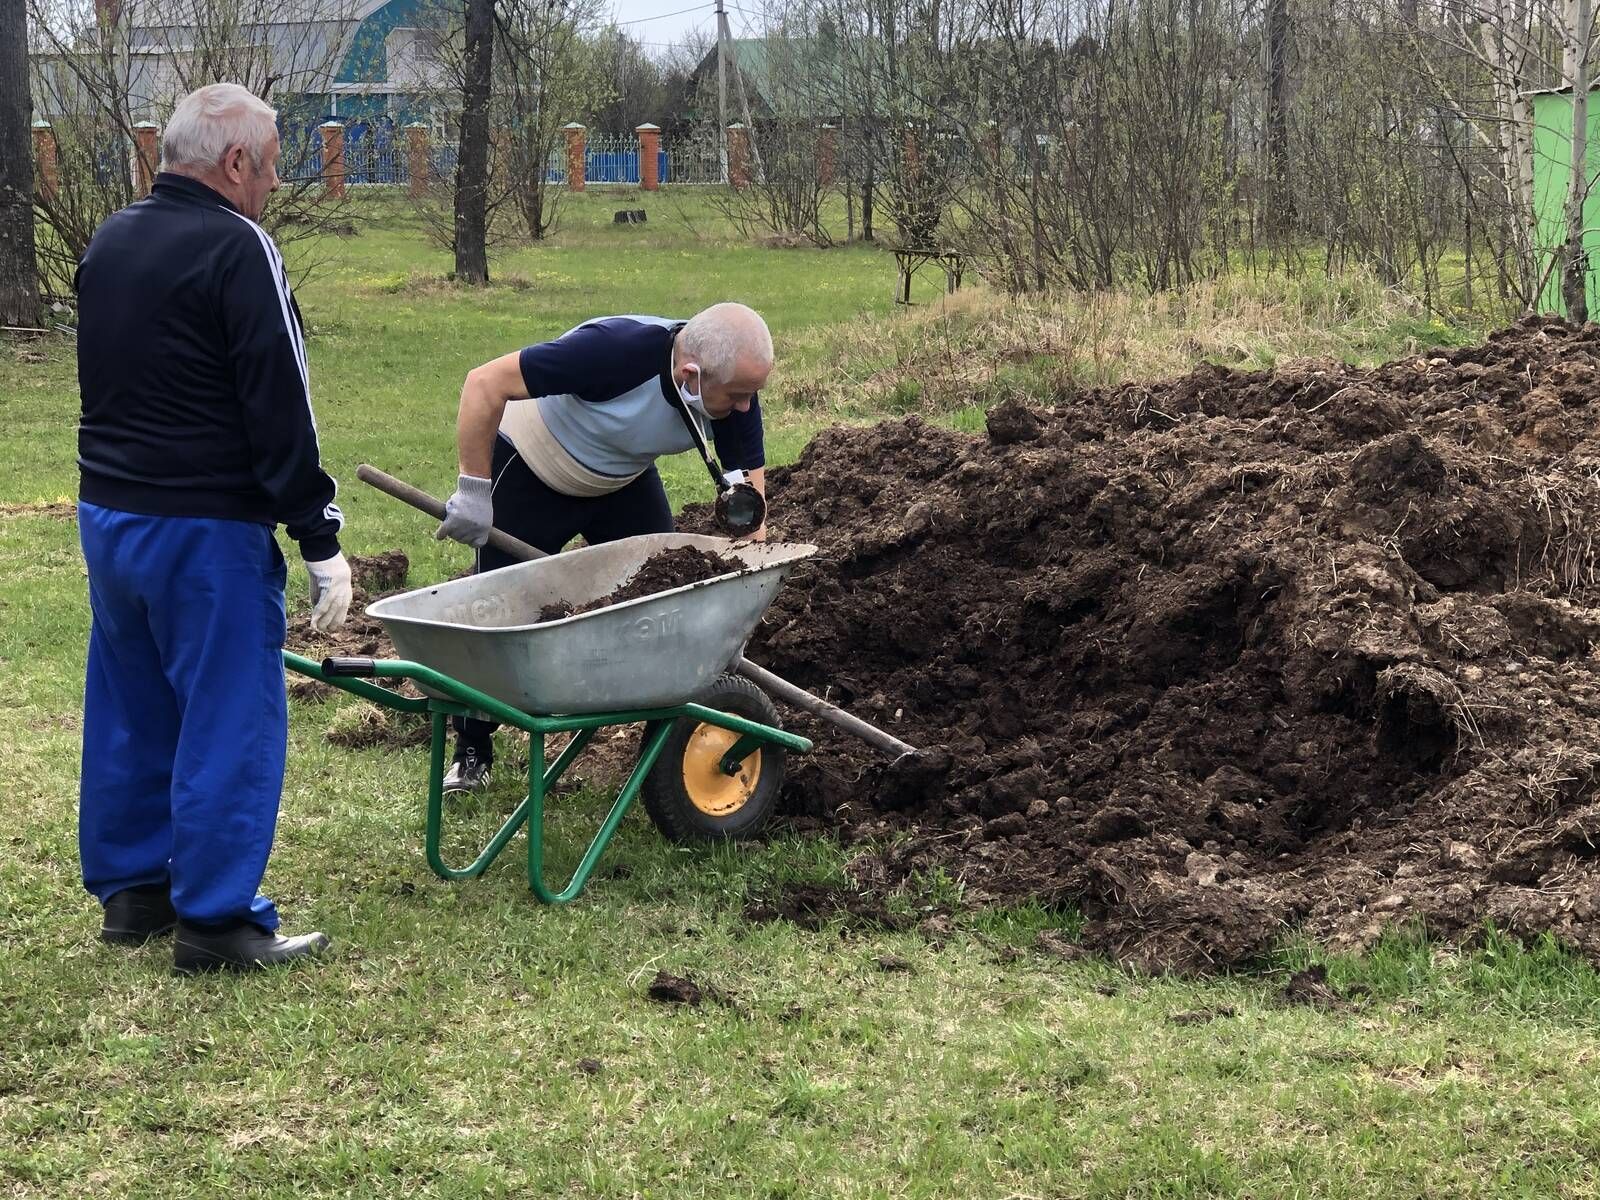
[528,508]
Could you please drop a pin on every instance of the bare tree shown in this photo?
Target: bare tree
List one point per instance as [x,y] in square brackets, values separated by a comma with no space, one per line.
[100,70]
[550,75]
[543,75]
[1577,42]
[472,161]
[1280,198]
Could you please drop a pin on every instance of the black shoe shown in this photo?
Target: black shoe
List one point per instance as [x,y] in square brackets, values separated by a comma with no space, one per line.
[239,947]
[135,915]
[469,770]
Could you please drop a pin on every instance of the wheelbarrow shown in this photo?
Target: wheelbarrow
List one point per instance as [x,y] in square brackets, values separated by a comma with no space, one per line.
[711,760]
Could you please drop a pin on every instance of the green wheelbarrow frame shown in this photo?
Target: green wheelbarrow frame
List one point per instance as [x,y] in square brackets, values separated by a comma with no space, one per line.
[346,673]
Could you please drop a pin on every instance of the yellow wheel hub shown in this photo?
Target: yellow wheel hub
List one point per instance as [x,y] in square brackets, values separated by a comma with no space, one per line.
[709,789]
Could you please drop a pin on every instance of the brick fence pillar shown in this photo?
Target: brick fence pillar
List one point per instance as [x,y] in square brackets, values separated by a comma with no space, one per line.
[575,155]
[417,160]
[47,174]
[333,158]
[146,155]
[738,156]
[827,154]
[649,156]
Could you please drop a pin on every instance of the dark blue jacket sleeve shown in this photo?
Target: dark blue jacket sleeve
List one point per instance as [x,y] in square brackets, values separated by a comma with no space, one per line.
[266,348]
[596,361]
[740,445]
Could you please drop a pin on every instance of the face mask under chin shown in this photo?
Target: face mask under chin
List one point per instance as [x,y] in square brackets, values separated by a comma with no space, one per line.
[693,402]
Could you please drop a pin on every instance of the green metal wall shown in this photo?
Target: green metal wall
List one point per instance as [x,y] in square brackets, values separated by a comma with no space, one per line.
[1552,161]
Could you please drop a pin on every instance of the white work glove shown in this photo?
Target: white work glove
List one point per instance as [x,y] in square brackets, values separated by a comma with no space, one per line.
[469,514]
[330,593]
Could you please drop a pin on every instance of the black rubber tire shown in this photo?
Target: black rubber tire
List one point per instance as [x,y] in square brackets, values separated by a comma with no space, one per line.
[666,796]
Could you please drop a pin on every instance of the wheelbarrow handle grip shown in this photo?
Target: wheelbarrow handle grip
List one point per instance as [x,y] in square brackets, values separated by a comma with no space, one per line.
[349,667]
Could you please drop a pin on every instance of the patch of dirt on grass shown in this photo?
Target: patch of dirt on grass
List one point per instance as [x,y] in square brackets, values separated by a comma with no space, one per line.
[364,726]
[373,577]
[381,574]
[1223,655]
[53,509]
[816,905]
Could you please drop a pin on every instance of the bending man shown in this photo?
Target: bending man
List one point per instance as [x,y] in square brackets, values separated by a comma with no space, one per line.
[560,440]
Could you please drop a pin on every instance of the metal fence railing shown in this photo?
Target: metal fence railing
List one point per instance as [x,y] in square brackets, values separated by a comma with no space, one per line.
[611,158]
[380,157]
[691,161]
[375,159]
[300,155]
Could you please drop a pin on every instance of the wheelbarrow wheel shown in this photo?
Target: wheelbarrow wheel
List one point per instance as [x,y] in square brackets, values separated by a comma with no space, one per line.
[687,793]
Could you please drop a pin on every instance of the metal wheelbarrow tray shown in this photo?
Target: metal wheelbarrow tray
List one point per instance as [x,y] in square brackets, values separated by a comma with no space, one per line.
[476,647]
[657,650]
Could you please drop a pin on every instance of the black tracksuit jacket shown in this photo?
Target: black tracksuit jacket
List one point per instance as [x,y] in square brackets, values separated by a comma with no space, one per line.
[192,368]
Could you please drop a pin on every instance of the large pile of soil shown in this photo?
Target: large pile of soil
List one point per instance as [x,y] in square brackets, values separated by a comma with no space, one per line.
[1217,656]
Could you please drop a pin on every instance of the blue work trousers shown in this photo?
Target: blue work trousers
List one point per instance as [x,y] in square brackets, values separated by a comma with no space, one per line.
[185,720]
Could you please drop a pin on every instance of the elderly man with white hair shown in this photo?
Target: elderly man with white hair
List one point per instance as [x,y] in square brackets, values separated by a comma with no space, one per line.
[196,441]
[560,440]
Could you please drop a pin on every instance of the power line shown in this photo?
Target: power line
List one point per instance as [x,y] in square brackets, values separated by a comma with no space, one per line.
[662,16]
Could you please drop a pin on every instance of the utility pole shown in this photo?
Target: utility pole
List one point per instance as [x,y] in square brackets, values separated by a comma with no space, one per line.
[722,89]
[744,106]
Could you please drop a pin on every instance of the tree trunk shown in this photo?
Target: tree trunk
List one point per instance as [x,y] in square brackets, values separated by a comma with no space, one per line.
[472,162]
[869,178]
[19,278]
[1280,214]
[1502,40]
[1574,261]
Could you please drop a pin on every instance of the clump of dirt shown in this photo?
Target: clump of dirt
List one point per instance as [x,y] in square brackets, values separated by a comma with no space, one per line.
[1310,987]
[380,574]
[662,572]
[667,988]
[1214,657]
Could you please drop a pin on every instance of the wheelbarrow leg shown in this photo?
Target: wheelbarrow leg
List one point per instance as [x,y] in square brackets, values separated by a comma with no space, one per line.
[537,784]
[545,781]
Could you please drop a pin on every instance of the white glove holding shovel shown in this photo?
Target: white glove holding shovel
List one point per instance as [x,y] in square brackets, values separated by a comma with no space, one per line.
[469,513]
[330,593]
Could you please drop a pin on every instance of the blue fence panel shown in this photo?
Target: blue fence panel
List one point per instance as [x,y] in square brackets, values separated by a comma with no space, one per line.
[374,153]
[442,162]
[301,156]
[611,163]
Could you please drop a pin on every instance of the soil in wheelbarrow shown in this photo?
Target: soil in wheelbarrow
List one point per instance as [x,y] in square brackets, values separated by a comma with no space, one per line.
[661,572]
[1217,657]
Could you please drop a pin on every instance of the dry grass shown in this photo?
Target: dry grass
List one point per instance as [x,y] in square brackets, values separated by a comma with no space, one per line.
[977,345]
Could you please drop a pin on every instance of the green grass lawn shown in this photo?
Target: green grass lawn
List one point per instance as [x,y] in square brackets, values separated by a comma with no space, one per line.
[464,1041]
